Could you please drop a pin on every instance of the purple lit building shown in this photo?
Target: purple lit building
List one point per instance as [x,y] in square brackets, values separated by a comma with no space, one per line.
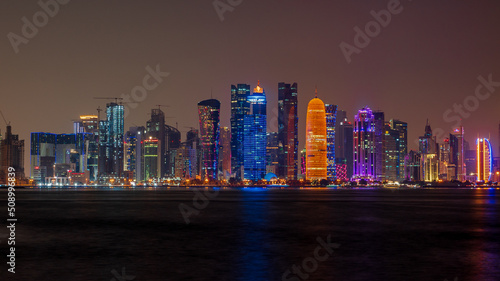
[364,145]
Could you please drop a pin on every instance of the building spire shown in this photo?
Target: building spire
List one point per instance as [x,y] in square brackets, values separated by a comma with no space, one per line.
[316,92]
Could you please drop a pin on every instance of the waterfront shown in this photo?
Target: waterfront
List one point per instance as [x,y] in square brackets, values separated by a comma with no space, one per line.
[256,234]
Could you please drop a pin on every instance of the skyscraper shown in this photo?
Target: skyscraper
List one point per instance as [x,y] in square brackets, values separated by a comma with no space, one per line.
[155,128]
[343,146]
[379,119]
[331,115]
[288,141]
[429,154]
[461,171]
[255,136]
[173,142]
[208,111]
[12,151]
[316,150]
[364,145]
[484,160]
[402,128]
[134,157]
[272,153]
[240,107]
[152,158]
[225,152]
[111,133]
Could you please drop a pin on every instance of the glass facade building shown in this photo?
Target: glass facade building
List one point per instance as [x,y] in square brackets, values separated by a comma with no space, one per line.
[364,145]
[288,141]
[255,136]
[240,107]
[331,118]
[209,118]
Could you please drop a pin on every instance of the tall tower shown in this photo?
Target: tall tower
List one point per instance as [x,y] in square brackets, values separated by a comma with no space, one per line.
[288,141]
[255,136]
[402,128]
[379,143]
[331,116]
[240,107]
[316,149]
[155,128]
[364,145]
[111,133]
[459,134]
[484,160]
[209,112]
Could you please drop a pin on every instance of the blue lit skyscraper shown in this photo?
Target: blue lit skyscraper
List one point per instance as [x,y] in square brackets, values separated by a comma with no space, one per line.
[255,136]
[331,116]
[240,107]
[209,111]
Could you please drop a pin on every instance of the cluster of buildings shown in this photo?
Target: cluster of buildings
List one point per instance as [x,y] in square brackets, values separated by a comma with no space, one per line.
[367,148]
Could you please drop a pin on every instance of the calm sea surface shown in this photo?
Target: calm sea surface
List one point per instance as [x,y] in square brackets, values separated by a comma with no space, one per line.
[254,234]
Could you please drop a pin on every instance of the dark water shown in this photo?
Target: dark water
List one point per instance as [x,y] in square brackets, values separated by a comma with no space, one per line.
[255,234]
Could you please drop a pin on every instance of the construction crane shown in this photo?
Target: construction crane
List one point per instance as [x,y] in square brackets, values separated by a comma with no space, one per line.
[6,123]
[109,98]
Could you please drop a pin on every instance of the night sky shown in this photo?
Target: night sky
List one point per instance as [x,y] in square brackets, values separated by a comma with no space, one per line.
[427,59]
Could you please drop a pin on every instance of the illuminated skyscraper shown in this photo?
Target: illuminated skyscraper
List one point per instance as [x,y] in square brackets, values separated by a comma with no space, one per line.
[240,107]
[364,145]
[316,150]
[429,156]
[288,141]
[208,111]
[379,119]
[344,145]
[460,162]
[134,160]
[255,136]
[225,152]
[173,143]
[89,124]
[111,133]
[484,160]
[155,128]
[152,159]
[331,116]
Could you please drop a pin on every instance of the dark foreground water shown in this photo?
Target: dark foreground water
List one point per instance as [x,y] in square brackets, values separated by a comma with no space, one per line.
[255,234]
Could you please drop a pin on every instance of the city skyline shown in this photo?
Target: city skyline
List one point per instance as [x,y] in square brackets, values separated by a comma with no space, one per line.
[54,75]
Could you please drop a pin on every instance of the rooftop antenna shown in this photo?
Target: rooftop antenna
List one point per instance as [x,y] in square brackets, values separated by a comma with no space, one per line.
[211,93]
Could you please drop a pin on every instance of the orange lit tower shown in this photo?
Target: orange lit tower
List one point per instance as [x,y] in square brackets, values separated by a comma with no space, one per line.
[484,160]
[316,160]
